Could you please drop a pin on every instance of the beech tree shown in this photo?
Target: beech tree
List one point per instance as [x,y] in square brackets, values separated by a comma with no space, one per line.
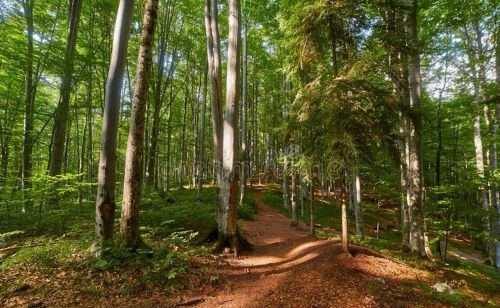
[62,112]
[129,221]
[106,189]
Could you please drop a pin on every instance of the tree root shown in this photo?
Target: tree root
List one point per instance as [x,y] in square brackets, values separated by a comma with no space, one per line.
[237,243]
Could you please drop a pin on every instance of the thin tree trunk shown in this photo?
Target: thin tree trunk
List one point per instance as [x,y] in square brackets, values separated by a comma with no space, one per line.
[29,102]
[106,188]
[312,223]
[286,186]
[494,163]
[164,26]
[203,128]
[244,151]
[294,196]
[62,112]
[129,222]
[345,226]
[358,207]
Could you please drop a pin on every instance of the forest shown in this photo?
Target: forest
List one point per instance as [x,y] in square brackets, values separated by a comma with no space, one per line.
[249,153]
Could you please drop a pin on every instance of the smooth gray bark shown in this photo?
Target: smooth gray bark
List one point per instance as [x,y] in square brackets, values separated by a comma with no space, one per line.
[358,207]
[106,182]
[244,170]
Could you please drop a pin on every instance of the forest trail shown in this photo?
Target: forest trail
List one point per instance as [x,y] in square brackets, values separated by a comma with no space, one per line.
[288,269]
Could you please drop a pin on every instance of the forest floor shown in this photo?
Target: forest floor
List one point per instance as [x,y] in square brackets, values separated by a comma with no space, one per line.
[289,269]
[286,268]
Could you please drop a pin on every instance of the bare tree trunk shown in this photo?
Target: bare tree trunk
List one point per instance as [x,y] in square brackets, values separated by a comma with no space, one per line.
[203,128]
[106,189]
[129,222]
[228,228]
[494,163]
[183,137]
[294,196]
[358,208]
[225,137]
[62,112]
[286,186]
[345,226]
[29,102]
[244,152]
[164,27]
[415,205]
[312,223]
[214,64]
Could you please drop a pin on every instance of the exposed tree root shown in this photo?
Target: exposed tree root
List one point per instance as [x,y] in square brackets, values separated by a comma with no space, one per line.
[236,243]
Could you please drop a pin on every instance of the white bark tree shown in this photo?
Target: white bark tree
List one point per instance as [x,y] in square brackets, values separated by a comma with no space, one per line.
[106,185]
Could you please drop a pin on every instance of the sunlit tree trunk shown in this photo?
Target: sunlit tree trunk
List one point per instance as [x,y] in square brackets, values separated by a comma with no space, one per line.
[225,133]
[106,189]
[62,112]
[358,207]
[294,195]
[228,229]
[415,205]
[129,222]
[244,170]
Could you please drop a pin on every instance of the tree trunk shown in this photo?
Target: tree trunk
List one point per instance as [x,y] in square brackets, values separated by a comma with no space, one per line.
[129,222]
[29,101]
[244,170]
[312,223]
[228,229]
[415,205]
[494,163]
[62,112]
[183,136]
[203,128]
[166,18]
[286,186]
[106,188]
[345,226]
[358,208]
[225,137]
[294,196]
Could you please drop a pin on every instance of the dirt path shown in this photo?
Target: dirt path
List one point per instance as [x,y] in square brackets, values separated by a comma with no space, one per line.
[288,269]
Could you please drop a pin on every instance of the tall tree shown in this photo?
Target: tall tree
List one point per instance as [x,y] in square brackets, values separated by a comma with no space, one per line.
[62,112]
[416,188]
[167,15]
[29,98]
[129,222]
[244,170]
[106,182]
[226,141]
[228,228]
